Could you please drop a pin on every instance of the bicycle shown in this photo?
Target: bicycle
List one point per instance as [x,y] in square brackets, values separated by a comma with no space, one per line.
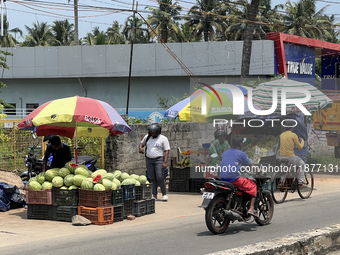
[286,181]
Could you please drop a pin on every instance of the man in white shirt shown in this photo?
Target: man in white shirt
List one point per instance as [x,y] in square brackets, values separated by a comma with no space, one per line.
[156,157]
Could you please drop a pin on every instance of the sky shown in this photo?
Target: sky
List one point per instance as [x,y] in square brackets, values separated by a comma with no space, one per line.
[99,13]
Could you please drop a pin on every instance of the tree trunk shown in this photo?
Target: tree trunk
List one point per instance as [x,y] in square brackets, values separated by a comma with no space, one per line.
[248,35]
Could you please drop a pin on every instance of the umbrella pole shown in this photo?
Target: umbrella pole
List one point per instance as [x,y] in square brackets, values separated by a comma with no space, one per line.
[76,146]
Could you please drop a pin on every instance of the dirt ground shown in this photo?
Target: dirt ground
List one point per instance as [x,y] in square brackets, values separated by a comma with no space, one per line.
[15,228]
[12,178]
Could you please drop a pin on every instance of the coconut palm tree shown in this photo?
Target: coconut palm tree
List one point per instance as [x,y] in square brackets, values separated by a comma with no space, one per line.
[163,20]
[39,35]
[302,19]
[114,35]
[204,20]
[63,32]
[8,40]
[141,34]
[97,37]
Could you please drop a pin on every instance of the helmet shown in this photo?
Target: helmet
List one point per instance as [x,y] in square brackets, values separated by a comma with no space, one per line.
[219,133]
[237,141]
[155,127]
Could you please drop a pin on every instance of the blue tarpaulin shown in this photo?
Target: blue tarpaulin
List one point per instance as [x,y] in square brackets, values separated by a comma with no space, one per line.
[8,194]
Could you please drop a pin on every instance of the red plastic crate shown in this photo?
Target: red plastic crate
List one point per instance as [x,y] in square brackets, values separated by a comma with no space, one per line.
[98,216]
[39,197]
[94,198]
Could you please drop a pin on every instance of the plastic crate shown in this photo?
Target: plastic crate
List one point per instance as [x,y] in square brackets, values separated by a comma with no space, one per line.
[196,185]
[64,213]
[40,212]
[139,194]
[98,216]
[65,197]
[147,191]
[40,197]
[176,185]
[139,208]
[129,191]
[117,197]
[128,208]
[150,206]
[94,198]
[118,213]
[180,173]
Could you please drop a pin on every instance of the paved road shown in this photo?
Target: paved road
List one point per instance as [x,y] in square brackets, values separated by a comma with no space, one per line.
[189,235]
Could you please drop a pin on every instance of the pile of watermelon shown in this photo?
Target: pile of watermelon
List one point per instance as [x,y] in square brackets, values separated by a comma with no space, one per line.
[74,176]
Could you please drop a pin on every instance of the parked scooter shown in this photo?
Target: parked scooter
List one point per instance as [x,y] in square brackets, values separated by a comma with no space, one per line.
[34,165]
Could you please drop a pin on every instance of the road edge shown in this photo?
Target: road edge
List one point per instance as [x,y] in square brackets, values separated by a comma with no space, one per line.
[316,241]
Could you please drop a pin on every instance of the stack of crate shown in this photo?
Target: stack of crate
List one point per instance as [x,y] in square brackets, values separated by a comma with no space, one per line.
[96,206]
[39,204]
[179,179]
[118,205]
[143,194]
[129,195]
[65,204]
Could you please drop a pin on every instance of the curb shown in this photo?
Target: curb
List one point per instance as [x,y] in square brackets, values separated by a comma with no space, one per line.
[317,241]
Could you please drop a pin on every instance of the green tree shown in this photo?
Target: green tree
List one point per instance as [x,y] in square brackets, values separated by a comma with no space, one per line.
[163,20]
[63,32]
[3,64]
[39,35]
[97,37]
[8,40]
[204,20]
[141,34]
[114,35]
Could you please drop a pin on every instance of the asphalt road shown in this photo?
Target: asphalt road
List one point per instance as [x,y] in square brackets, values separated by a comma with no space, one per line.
[189,235]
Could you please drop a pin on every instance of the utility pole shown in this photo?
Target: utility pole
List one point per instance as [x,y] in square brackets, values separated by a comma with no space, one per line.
[131,53]
[76,42]
[2,17]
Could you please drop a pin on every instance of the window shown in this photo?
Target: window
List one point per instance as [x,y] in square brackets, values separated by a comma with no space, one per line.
[31,106]
[9,110]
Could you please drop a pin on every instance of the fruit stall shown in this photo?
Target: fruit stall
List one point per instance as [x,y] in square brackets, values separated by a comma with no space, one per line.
[101,197]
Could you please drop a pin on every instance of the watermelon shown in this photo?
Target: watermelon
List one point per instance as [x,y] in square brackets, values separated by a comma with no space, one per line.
[68,180]
[124,176]
[107,184]
[127,182]
[34,185]
[116,174]
[51,173]
[81,171]
[134,176]
[114,186]
[133,180]
[83,166]
[63,187]
[47,185]
[71,166]
[41,177]
[117,182]
[57,181]
[137,183]
[72,187]
[98,187]
[90,172]
[33,179]
[142,179]
[99,171]
[78,179]
[63,172]
[86,184]
[108,176]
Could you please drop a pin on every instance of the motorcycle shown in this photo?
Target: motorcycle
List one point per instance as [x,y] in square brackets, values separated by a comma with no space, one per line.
[34,165]
[224,203]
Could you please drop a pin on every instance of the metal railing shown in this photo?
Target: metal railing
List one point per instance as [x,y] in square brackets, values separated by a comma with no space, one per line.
[16,113]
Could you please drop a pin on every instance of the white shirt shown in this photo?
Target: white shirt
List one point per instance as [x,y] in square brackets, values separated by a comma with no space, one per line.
[156,146]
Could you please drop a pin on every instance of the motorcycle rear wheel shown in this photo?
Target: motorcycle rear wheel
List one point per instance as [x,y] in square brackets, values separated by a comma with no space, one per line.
[265,209]
[216,223]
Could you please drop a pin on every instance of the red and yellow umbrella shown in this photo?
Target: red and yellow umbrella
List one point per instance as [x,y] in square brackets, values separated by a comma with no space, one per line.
[75,116]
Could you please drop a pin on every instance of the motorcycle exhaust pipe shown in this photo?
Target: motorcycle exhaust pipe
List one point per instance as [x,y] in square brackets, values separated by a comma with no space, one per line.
[233,215]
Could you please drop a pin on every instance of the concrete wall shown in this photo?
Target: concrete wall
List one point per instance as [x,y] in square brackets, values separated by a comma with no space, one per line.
[121,152]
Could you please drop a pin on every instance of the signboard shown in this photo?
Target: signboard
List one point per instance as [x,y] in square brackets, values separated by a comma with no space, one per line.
[300,63]
[329,73]
[154,116]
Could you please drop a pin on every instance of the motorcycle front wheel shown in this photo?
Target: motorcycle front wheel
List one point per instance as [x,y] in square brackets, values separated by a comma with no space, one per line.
[265,209]
[214,216]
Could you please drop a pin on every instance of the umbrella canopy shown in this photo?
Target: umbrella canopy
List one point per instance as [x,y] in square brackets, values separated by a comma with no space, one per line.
[263,95]
[204,105]
[82,116]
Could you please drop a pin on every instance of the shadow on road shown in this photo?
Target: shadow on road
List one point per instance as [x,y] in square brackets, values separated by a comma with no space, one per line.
[234,229]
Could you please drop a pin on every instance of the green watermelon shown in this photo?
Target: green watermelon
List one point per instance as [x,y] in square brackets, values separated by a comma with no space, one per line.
[57,181]
[127,182]
[63,187]
[107,184]
[33,179]
[63,172]
[47,185]
[71,166]
[51,173]
[86,184]
[99,171]
[108,176]
[134,176]
[117,182]
[116,174]
[114,186]
[142,179]
[78,179]
[99,187]
[68,180]
[34,185]
[72,187]
[41,177]
[124,176]
[83,166]
[81,171]
[137,183]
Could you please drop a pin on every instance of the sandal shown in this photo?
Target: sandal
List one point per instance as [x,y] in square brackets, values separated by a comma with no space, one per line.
[253,213]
